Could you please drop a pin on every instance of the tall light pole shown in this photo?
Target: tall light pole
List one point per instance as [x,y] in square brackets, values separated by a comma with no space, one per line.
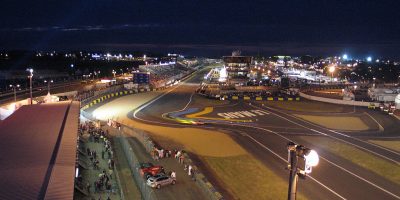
[48,84]
[300,163]
[15,91]
[30,70]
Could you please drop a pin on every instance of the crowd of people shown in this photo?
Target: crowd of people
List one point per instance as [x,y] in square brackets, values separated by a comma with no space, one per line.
[160,153]
[99,153]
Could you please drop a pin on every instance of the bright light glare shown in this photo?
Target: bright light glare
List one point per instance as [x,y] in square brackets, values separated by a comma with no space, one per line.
[369,58]
[345,56]
[312,158]
[222,75]
[331,69]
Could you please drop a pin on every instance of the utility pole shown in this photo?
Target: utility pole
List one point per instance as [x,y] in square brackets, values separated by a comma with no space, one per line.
[15,91]
[293,177]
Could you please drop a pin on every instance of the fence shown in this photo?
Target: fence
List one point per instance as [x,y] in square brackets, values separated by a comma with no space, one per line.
[201,180]
[81,161]
[146,191]
[95,94]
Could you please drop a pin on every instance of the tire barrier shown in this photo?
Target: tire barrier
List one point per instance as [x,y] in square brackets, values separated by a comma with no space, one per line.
[111,95]
[248,98]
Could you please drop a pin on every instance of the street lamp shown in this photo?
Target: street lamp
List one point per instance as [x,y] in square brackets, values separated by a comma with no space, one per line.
[374,82]
[48,84]
[30,70]
[15,91]
[331,70]
[299,167]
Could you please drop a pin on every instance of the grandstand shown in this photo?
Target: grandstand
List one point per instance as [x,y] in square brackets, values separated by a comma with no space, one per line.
[238,68]
[163,74]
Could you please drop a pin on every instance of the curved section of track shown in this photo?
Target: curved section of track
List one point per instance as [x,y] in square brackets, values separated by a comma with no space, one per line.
[334,178]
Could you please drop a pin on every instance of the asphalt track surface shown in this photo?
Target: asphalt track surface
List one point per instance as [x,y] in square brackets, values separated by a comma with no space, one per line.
[266,138]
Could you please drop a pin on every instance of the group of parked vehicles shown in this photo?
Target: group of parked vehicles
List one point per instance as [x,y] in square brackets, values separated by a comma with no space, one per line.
[155,175]
[385,107]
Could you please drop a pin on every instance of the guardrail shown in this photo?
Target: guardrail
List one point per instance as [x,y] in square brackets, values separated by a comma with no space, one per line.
[248,98]
[337,101]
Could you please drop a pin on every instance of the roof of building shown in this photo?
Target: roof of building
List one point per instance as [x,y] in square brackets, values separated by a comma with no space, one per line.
[38,145]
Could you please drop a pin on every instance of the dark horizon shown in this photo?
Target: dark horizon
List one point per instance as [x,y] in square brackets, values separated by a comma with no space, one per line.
[204,28]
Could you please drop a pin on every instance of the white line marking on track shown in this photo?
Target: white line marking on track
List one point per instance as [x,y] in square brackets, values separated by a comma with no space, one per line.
[358,146]
[369,182]
[284,160]
[380,126]
[336,165]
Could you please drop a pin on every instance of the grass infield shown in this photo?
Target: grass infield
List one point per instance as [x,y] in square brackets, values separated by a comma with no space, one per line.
[337,122]
[308,106]
[247,178]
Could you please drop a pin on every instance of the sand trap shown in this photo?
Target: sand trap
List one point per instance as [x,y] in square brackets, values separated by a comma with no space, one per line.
[337,122]
[199,141]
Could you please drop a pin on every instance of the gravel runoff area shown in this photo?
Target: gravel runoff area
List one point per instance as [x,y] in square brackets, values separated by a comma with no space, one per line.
[214,148]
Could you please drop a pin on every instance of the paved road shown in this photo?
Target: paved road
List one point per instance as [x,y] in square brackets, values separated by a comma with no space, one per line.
[266,138]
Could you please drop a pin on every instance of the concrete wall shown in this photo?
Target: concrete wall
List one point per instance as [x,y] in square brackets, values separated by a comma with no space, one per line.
[70,93]
[337,101]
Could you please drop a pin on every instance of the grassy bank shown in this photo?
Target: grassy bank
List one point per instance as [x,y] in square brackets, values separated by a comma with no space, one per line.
[247,178]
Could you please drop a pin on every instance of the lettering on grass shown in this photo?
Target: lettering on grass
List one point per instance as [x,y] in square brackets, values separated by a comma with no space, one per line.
[242,114]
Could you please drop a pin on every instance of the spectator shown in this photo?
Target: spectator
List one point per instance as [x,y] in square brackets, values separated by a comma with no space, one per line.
[173,174]
[190,170]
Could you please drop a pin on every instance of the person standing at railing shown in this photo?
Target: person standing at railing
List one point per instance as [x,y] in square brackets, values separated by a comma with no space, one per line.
[190,170]
[173,174]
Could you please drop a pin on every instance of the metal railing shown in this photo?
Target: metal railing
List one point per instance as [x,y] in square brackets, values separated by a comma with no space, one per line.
[146,191]
[149,145]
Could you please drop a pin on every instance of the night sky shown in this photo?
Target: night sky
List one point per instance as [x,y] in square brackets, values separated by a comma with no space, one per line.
[297,27]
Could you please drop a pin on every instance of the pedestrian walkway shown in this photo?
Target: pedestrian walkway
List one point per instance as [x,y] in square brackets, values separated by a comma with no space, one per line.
[97,179]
